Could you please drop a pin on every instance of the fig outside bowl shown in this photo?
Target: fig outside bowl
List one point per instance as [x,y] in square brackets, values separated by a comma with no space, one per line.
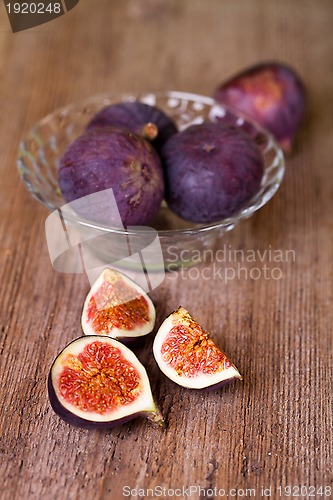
[183,243]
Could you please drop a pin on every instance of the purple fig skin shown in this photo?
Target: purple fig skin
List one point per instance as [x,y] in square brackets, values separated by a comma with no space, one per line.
[220,384]
[211,171]
[272,94]
[133,341]
[104,158]
[135,116]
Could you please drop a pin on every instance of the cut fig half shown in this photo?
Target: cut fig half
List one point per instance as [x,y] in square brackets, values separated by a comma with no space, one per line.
[97,382]
[187,355]
[117,307]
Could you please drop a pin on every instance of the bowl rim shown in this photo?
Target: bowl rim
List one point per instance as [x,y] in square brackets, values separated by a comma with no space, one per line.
[251,206]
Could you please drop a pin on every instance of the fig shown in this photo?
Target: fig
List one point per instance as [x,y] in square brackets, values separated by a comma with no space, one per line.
[188,356]
[211,171]
[272,94]
[117,307]
[104,158]
[97,382]
[148,121]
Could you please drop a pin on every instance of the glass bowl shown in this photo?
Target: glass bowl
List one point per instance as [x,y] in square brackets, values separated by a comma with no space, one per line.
[182,243]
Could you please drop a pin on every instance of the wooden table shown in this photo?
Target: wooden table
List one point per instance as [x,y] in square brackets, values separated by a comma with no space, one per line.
[272,429]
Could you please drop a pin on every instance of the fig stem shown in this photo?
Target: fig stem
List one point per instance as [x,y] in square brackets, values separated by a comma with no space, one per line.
[156,417]
[150,131]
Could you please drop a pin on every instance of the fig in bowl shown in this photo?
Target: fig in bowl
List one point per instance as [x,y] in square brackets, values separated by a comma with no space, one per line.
[97,382]
[104,158]
[211,171]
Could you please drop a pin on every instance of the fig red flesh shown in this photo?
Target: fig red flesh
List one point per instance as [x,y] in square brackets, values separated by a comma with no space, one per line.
[272,94]
[99,379]
[121,314]
[185,350]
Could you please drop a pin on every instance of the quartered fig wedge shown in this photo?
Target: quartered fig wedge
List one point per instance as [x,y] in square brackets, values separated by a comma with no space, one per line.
[97,382]
[188,356]
[117,307]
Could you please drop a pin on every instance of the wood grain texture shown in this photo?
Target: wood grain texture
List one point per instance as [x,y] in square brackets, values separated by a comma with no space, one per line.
[273,428]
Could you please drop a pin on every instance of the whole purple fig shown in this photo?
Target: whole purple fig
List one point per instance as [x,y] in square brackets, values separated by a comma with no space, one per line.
[147,121]
[272,94]
[211,171]
[105,158]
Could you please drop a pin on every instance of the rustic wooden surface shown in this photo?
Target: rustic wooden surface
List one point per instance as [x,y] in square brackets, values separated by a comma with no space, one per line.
[273,428]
